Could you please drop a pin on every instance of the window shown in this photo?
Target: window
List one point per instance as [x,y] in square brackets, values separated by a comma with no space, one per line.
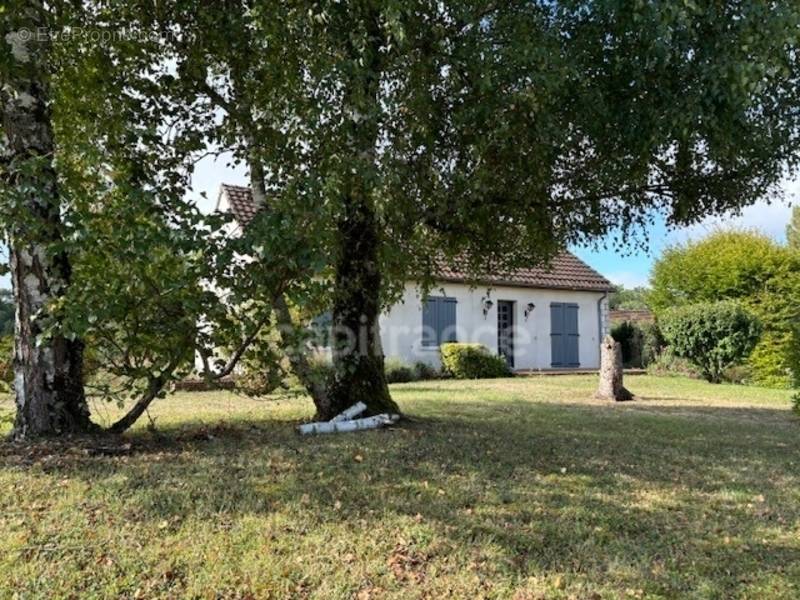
[438,321]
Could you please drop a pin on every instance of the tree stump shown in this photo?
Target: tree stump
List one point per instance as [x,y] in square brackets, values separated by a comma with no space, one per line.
[611,387]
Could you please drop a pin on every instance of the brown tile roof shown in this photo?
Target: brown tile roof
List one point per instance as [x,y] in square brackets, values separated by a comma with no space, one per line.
[241,202]
[566,270]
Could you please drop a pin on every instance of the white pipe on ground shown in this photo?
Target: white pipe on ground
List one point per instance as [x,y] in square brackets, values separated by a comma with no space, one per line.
[351,412]
[345,426]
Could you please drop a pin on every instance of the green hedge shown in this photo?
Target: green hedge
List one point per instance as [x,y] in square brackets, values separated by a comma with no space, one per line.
[472,361]
[713,336]
[772,361]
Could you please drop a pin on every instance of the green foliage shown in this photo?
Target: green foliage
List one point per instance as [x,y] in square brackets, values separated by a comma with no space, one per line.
[724,265]
[748,267]
[397,371]
[771,360]
[472,361]
[321,368]
[713,336]
[641,342]
[496,131]
[623,298]
[793,230]
[471,96]
[6,362]
[668,364]
[796,402]
[653,342]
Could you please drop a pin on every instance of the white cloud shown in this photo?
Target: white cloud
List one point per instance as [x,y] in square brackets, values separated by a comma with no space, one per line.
[770,219]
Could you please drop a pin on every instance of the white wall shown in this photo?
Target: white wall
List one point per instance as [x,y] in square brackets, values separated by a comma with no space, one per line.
[401,327]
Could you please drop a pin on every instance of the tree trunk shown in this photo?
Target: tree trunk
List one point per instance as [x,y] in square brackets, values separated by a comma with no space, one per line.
[48,382]
[611,387]
[357,354]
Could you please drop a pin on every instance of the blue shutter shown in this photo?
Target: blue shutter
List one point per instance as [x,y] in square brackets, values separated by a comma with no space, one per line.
[438,321]
[572,337]
[429,331]
[556,335]
[447,320]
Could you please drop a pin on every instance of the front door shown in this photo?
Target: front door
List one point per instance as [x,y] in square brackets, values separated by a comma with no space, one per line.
[505,330]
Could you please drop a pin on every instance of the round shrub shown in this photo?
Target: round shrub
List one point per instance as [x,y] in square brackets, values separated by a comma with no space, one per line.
[747,267]
[472,361]
[713,336]
[397,371]
[424,372]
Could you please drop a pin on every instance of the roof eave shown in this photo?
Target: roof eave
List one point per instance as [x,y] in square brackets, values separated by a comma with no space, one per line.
[607,287]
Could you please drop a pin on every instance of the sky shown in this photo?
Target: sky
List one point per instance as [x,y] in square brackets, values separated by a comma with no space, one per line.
[630,268]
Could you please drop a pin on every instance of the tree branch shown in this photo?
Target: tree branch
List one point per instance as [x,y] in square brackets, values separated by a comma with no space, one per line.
[237,355]
[154,387]
[298,359]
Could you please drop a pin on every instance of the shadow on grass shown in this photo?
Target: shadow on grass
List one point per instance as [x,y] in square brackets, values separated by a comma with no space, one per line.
[553,487]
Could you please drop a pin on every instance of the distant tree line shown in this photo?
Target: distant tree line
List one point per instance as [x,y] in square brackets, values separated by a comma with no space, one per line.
[623,298]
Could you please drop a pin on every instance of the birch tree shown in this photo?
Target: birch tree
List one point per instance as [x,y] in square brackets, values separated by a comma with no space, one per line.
[156,282]
[48,362]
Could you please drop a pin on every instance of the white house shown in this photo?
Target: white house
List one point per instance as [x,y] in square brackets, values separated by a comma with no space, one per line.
[537,318]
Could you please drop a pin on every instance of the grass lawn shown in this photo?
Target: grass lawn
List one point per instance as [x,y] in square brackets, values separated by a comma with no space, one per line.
[523,488]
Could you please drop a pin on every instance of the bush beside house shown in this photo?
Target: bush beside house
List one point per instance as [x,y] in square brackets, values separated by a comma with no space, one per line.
[472,361]
[397,371]
[712,336]
[641,342]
